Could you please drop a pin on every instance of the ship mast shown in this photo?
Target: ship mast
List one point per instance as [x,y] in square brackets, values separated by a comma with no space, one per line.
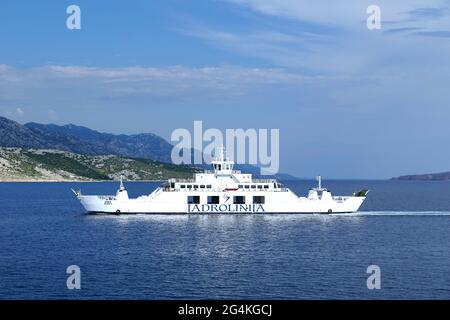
[319,181]
[121,187]
[222,154]
[221,164]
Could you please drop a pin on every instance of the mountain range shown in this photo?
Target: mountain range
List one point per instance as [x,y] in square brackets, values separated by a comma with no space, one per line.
[84,141]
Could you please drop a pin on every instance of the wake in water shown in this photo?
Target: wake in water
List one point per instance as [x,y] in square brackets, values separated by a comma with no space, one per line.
[395,213]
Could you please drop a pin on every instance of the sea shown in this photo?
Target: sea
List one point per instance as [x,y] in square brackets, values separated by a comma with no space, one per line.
[403,229]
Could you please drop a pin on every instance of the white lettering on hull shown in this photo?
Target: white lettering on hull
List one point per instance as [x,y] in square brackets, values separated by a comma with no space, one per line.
[226,208]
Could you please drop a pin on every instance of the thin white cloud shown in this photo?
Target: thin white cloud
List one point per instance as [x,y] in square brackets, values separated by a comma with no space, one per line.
[350,13]
[206,74]
[340,43]
[163,82]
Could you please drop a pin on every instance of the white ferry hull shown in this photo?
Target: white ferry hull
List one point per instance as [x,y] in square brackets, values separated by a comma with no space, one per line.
[173,203]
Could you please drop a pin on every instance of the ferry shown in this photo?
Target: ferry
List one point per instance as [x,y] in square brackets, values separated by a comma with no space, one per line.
[223,190]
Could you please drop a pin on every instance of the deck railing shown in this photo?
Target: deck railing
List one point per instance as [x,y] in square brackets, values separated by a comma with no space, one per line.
[107,197]
[263,180]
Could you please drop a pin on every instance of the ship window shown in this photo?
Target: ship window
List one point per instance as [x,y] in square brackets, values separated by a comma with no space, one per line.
[189,186]
[208,186]
[259,186]
[219,167]
[266,186]
[240,186]
[239,200]
[195,186]
[213,199]
[182,186]
[193,199]
[247,186]
[253,186]
[258,199]
[202,186]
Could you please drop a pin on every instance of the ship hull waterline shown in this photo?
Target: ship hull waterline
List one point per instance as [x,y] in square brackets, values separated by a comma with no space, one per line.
[93,204]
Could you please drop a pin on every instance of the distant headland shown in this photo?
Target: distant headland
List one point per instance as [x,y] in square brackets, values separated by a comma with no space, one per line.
[442,176]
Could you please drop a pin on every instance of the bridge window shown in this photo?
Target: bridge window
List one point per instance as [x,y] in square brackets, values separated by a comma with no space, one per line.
[213,199]
[239,200]
[193,199]
[258,199]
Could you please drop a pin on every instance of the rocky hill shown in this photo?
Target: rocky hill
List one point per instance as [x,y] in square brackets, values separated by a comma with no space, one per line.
[18,164]
[83,140]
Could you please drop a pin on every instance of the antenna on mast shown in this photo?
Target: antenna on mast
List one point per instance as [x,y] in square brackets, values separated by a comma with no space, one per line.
[319,180]
[121,183]
[224,153]
[221,153]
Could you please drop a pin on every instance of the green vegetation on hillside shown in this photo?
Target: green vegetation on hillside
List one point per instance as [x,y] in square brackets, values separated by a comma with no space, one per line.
[58,161]
[35,164]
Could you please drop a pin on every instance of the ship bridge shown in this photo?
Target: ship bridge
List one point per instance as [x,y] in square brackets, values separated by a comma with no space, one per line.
[222,171]
[223,177]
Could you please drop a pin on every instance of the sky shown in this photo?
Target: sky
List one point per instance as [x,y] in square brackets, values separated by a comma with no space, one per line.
[349,102]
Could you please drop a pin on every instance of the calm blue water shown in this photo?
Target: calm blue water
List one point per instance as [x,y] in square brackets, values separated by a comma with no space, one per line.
[404,228]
